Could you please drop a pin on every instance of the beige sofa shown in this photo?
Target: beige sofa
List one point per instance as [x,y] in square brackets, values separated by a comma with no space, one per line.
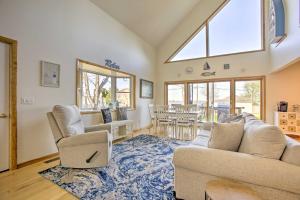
[272,179]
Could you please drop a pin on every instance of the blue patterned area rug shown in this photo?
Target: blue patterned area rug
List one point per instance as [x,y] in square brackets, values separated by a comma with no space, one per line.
[140,168]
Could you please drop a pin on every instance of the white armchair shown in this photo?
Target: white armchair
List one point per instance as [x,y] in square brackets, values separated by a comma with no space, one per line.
[79,146]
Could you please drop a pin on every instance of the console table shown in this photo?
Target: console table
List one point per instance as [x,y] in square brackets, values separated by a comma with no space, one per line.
[121,129]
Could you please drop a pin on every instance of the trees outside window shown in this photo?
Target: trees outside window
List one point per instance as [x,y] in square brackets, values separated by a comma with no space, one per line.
[101,87]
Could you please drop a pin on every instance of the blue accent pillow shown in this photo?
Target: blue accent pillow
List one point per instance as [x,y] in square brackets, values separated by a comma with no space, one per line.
[106,115]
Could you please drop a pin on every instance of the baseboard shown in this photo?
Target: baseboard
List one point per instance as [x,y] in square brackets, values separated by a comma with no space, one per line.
[30,162]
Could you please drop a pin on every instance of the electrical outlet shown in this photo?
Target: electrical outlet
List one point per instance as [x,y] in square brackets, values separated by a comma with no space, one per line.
[27,100]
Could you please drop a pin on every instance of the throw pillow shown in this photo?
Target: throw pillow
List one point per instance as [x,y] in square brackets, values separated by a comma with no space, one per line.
[122,113]
[291,153]
[262,140]
[68,120]
[106,115]
[226,136]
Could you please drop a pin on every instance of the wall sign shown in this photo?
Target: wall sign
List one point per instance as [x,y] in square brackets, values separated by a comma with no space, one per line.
[111,64]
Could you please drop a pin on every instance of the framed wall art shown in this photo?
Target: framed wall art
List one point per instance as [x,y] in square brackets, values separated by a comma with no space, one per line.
[50,74]
[146,89]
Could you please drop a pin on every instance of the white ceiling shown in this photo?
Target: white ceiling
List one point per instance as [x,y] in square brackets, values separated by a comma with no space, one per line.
[152,20]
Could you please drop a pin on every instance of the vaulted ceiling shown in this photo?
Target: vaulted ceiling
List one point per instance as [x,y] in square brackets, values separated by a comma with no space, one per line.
[152,20]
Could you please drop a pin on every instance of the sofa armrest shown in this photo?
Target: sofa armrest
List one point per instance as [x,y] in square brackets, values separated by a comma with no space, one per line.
[99,127]
[86,138]
[238,166]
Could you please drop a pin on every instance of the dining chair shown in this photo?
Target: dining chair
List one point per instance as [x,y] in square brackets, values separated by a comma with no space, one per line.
[186,121]
[153,117]
[164,120]
[177,107]
[192,107]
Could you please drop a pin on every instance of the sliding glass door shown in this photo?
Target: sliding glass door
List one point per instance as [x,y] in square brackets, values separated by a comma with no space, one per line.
[213,97]
[219,100]
[198,95]
[248,97]
[175,94]
[220,97]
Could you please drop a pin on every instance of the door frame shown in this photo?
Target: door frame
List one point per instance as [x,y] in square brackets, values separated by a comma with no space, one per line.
[12,101]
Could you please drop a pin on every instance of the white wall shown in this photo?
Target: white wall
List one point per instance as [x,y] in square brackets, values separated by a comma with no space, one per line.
[289,50]
[249,64]
[61,31]
[283,85]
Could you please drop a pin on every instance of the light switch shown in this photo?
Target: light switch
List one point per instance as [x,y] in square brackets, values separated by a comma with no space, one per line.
[27,100]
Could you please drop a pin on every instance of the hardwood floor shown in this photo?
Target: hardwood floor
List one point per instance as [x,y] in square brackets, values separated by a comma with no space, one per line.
[25,183]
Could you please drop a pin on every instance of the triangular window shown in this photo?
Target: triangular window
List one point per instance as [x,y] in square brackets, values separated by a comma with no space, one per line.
[236,27]
[195,48]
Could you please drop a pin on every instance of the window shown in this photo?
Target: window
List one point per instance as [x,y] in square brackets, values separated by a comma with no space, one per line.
[100,87]
[217,97]
[248,97]
[196,48]
[96,91]
[236,27]
[198,94]
[123,92]
[175,94]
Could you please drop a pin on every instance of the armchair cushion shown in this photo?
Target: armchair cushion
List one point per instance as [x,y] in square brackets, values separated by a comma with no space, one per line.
[85,139]
[68,120]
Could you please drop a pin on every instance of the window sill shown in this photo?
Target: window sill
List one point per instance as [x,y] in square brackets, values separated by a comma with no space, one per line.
[85,112]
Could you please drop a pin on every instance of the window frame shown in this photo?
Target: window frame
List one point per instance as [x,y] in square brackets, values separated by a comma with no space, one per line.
[232,81]
[113,88]
[130,89]
[166,95]
[206,24]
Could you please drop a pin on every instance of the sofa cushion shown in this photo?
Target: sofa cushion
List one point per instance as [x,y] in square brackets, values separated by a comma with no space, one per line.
[68,120]
[226,136]
[291,153]
[262,140]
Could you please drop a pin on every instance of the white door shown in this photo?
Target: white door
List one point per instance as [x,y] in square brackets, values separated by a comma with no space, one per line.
[4,106]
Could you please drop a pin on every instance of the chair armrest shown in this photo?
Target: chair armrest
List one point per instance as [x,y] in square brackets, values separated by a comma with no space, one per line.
[86,138]
[238,166]
[99,127]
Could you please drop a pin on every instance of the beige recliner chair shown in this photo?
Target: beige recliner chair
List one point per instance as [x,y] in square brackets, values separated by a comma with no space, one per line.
[79,146]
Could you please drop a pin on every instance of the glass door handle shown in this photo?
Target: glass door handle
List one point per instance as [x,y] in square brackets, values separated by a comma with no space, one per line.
[3,115]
